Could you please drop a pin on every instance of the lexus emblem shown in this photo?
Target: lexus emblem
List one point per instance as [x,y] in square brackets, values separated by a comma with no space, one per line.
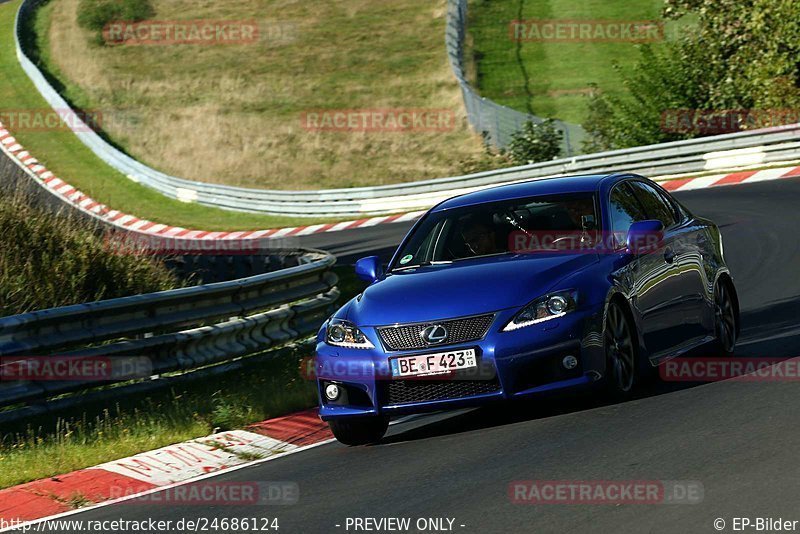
[434,334]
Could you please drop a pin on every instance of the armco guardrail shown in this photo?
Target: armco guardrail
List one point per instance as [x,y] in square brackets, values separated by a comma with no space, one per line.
[171,331]
[695,155]
[498,122]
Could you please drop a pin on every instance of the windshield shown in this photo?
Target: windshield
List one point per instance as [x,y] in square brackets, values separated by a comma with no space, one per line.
[501,228]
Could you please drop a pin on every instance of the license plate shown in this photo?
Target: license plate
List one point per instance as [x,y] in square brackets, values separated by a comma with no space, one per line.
[434,364]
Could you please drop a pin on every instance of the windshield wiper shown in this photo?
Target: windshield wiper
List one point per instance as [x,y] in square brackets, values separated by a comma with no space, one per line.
[420,264]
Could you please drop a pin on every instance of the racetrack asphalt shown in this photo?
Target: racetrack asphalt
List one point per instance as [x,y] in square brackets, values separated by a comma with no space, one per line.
[738,439]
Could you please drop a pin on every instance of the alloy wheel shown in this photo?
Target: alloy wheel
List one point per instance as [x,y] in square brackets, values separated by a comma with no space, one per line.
[725,318]
[620,350]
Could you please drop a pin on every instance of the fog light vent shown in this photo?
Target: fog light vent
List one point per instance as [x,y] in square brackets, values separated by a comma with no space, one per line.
[569,362]
[332,392]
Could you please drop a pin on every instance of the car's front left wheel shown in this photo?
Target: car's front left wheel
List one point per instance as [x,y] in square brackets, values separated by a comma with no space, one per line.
[359,430]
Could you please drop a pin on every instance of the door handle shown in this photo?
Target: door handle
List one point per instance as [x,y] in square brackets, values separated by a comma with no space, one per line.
[669,255]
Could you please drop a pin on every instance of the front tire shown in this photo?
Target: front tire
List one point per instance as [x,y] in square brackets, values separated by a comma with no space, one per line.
[621,348]
[359,430]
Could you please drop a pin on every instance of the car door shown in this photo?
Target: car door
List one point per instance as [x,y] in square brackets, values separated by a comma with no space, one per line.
[673,294]
[654,291]
[684,239]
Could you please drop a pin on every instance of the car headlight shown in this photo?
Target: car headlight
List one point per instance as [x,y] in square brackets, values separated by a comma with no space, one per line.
[342,333]
[551,306]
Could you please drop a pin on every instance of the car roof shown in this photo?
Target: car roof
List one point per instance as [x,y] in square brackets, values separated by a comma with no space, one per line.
[588,183]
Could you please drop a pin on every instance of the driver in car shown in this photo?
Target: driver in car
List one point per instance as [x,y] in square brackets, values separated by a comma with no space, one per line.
[479,236]
[580,212]
[582,225]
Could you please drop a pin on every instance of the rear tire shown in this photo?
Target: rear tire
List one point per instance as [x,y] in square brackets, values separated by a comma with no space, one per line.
[359,430]
[621,347]
[725,319]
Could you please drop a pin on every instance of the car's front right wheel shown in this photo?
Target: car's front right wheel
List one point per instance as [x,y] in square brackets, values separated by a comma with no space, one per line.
[359,430]
[621,345]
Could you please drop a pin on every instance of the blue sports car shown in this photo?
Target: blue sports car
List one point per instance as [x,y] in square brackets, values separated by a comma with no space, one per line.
[522,289]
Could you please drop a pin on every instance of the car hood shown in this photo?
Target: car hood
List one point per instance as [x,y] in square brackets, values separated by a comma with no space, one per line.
[467,287]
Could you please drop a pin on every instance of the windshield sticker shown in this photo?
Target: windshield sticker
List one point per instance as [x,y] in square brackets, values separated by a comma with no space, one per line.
[406,259]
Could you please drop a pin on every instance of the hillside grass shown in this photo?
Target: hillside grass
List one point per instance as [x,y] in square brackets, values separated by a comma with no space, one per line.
[50,260]
[553,79]
[233,113]
[72,161]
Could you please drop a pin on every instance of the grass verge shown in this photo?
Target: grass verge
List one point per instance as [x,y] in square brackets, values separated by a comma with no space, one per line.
[49,260]
[60,443]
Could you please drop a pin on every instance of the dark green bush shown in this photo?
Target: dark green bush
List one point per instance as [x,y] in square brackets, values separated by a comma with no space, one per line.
[490,159]
[48,261]
[95,14]
[663,81]
[535,142]
[738,59]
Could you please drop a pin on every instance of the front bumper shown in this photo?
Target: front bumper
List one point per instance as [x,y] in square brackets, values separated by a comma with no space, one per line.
[520,363]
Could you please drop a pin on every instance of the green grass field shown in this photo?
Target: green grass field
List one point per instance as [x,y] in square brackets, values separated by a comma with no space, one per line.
[69,159]
[233,113]
[48,260]
[552,79]
[406,157]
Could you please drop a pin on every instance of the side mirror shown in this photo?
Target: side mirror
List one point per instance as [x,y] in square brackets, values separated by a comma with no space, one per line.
[369,269]
[645,236]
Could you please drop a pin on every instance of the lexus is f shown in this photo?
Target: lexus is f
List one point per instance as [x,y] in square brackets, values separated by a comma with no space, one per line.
[523,289]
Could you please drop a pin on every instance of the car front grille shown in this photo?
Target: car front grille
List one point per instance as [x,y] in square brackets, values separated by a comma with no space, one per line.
[409,337]
[409,391]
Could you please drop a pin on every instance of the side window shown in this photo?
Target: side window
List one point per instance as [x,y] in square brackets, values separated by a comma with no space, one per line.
[625,209]
[425,250]
[655,205]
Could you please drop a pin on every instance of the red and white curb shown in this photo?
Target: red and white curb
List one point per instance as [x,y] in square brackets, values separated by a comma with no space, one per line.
[172,465]
[127,222]
[131,223]
[717,180]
